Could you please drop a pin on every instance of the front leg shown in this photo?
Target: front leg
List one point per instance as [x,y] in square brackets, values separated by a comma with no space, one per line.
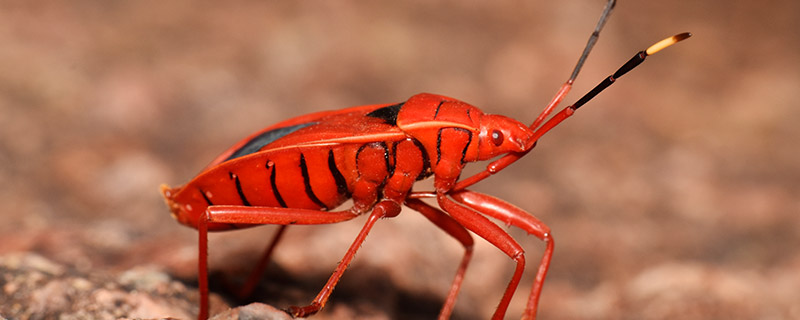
[486,229]
[517,217]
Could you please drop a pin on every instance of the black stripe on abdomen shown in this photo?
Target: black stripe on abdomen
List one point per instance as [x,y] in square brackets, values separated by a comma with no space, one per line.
[307,183]
[239,188]
[205,197]
[275,192]
[338,177]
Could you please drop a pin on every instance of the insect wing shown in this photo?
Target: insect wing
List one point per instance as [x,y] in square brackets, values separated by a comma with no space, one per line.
[349,125]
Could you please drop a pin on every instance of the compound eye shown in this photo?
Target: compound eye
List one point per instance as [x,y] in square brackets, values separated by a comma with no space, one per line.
[497,137]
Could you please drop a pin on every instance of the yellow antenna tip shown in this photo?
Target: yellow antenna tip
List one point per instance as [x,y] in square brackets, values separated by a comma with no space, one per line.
[658,46]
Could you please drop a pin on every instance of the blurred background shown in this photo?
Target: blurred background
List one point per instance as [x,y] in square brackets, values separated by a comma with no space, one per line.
[672,194]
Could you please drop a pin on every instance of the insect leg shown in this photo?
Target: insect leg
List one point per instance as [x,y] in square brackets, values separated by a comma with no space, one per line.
[252,215]
[514,216]
[486,229]
[384,208]
[454,229]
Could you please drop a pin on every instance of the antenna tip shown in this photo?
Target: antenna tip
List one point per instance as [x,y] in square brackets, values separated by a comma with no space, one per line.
[658,46]
[682,36]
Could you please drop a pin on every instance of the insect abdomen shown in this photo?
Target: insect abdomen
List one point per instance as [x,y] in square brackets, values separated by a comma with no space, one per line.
[310,178]
[287,178]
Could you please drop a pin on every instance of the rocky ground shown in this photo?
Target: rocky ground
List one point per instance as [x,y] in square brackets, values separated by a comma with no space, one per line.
[672,195]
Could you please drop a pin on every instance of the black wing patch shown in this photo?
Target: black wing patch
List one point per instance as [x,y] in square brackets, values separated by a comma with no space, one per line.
[266,138]
[387,114]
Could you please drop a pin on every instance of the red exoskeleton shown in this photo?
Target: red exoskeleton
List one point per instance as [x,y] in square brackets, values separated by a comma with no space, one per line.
[299,171]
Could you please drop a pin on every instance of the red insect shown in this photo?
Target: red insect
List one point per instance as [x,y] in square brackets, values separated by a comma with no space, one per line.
[297,171]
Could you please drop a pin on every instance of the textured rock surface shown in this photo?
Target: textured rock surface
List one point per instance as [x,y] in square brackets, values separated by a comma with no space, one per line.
[37,288]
